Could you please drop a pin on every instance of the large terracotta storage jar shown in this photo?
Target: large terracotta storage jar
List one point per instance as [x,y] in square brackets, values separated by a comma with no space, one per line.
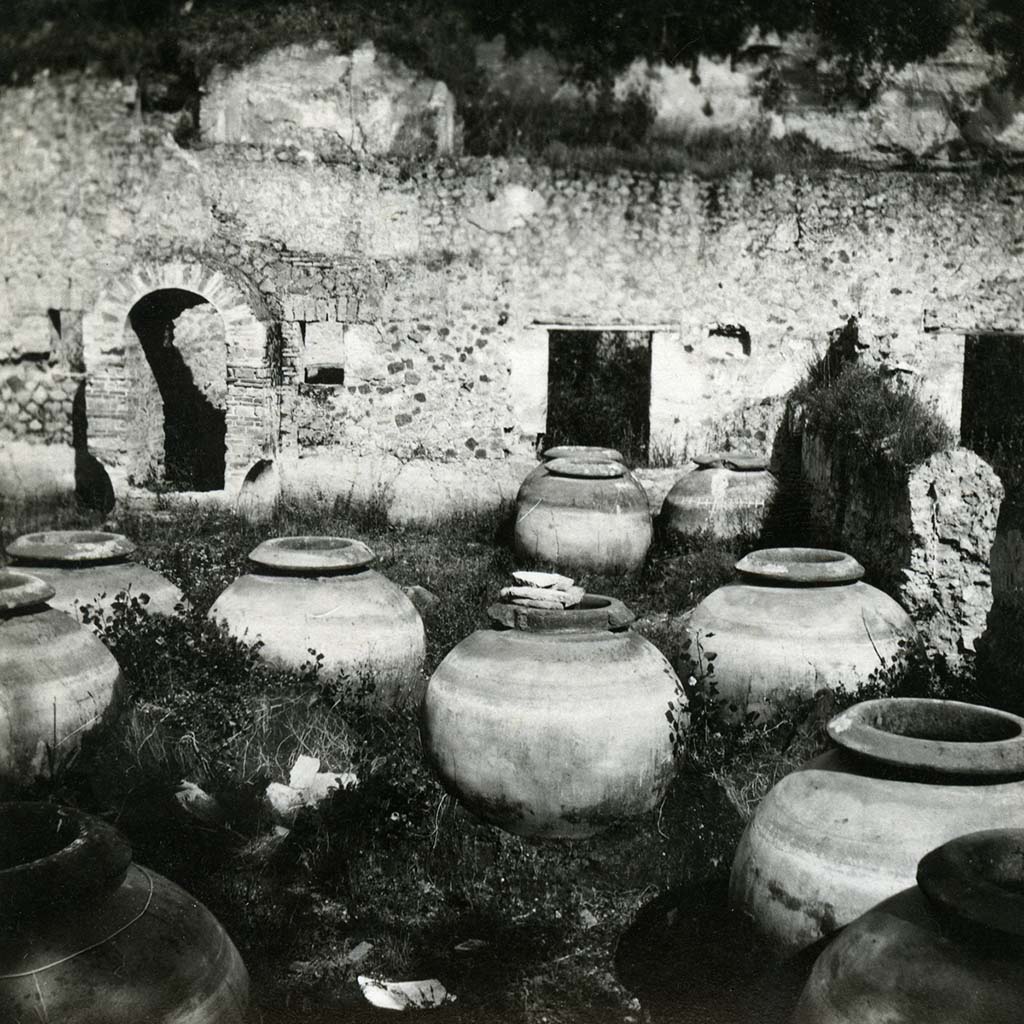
[949,949]
[91,567]
[553,723]
[846,831]
[321,593]
[583,514]
[728,494]
[797,620]
[87,936]
[57,681]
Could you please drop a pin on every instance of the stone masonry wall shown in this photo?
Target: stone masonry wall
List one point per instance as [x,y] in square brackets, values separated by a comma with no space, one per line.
[432,287]
[928,540]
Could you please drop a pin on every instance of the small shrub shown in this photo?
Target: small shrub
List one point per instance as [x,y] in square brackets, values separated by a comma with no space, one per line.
[872,428]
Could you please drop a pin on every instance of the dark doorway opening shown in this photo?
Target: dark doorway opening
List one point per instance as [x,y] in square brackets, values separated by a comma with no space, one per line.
[992,411]
[599,390]
[194,426]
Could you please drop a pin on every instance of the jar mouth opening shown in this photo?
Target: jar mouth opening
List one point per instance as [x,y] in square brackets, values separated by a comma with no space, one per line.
[46,849]
[70,547]
[312,555]
[801,566]
[34,833]
[949,737]
[592,469]
[596,613]
[742,462]
[979,878]
[21,590]
[583,452]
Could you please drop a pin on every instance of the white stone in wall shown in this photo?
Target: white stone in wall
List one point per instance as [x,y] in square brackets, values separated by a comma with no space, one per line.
[513,207]
[528,379]
[30,336]
[199,337]
[325,344]
[366,356]
[304,95]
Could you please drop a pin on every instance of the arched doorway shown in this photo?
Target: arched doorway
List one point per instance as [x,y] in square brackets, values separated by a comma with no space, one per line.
[181,379]
[181,414]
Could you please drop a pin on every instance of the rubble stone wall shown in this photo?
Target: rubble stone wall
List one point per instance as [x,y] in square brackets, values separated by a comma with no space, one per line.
[431,286]
[929,540]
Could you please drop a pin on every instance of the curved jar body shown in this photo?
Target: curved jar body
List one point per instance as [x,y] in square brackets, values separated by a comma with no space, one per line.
[845,832]
[88,936]
[727,494]
[580,514]
[556,727]
[361,622]
[916,960]
[86,567]
[774,638]
[56,680]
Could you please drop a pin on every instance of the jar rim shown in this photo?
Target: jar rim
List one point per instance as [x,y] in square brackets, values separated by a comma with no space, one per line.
[801,566]
[596,613]
[312,555]
[979,878]
[583,452]
[70,547]
[741,461]
[941,736]
[21,590]
[48,850]
[586,469]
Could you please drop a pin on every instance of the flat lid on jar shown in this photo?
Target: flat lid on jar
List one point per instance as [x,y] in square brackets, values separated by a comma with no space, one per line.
[312,554]
[594,614]
[806,566]
[71,547]
[979,878]
[740,461]
[947,737]
[584,452]
[586,470]
[19,590]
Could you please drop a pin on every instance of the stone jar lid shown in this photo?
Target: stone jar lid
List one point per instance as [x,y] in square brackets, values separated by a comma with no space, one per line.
[19,590]
[585,470]
[583,452]
[945,737]
[594,614]
[740,461]
[71,547]
[979,878]
[801,566]
[54,855]
[313,556]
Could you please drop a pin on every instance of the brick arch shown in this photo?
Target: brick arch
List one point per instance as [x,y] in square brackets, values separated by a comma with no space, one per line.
[252,410]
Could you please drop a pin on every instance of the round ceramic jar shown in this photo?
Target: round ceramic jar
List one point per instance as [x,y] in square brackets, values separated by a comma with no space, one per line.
[56,680]
[579,514]
[553,723]
[797,620]
[727,494]
[91,567]
[320,593]
[847,830]
[86,935]
[949,949]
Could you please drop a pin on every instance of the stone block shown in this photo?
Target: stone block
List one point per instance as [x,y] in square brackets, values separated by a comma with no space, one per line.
[366,355]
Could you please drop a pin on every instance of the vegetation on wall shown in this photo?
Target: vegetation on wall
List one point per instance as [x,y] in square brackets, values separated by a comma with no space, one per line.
[169,46]
[876,429]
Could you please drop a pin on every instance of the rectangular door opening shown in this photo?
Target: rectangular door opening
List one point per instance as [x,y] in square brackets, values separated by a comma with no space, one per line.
[599,390]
